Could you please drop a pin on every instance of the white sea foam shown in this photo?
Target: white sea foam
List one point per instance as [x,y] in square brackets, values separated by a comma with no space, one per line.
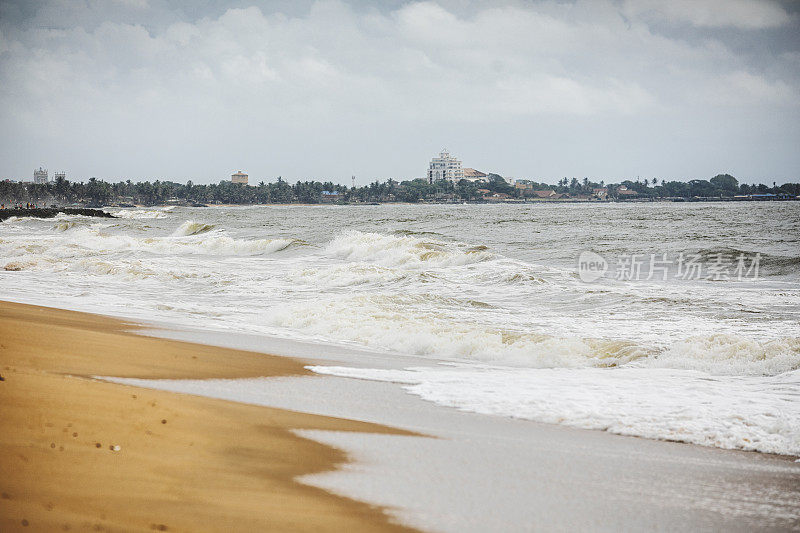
[731,355]
[436,282]
[64,225]
[383,321]
[405,251]
[141,214]
[190,227]
[225,245]
[347,275]
[747,413]
[438,326]
[133,269]
[190,238]
[132,259]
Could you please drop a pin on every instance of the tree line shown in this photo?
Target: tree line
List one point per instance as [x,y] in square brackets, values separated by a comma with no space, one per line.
[97,192]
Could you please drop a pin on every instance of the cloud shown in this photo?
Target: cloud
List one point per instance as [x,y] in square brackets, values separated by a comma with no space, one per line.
[738,87]
[138,4]
[744,14]
[237,81]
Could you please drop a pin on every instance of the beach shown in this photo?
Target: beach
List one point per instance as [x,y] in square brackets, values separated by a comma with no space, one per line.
[245,285]
[445,368]
[80,454]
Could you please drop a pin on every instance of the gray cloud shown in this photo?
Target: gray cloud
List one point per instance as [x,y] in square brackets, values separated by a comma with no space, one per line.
[327,89]
[748,14]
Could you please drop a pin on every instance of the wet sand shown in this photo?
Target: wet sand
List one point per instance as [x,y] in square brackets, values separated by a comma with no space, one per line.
[77,453]
[493,473]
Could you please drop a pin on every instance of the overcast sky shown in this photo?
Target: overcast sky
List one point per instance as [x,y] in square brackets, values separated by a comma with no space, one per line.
[609,90]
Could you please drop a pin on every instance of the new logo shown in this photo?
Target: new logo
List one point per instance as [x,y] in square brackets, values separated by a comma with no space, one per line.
[591,266]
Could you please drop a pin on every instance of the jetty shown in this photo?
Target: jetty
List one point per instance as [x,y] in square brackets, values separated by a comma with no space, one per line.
[50,212]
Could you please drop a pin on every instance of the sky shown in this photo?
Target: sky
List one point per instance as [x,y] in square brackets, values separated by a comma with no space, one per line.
[328,89]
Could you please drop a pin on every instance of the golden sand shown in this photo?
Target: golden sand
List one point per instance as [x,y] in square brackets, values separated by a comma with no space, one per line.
[80,454]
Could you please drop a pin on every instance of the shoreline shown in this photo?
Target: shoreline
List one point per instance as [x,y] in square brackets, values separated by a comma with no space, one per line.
[286,452]
[526,201]
[82,453]
[493,473]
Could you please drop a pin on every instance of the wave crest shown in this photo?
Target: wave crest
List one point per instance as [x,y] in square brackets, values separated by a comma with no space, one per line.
[731,354]
[141,214]
[403,250]
[190,227]
[431,325]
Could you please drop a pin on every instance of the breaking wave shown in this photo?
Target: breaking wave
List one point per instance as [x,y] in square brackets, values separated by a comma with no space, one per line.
[225,245]
[732,355]
[64,225]
[141,214]
[191,238]
[772,264]
[745,413]
[508,297]
[436,328]
[404,250]
[347,275]
[190,227]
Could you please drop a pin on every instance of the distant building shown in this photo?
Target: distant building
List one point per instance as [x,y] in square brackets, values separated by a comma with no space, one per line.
[601,192]
[239,177]
[470,174]
[547,193]
[497,196]
[445,167]
[62,175]
[330,196]
[40,176]
[624,191]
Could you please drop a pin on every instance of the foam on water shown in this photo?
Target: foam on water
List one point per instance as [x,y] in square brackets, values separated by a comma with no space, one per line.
[190,227]
[435,325]
[746,413]
[405,251]
[141,214]
[491,288]
[731,355]
[64,225]
[189,238]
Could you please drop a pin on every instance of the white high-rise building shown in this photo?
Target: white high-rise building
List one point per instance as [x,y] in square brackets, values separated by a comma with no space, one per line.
[445,167]
[40,176]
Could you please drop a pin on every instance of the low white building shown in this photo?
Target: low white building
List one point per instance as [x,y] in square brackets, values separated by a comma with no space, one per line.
[40,176]
[445,167]
[470,174]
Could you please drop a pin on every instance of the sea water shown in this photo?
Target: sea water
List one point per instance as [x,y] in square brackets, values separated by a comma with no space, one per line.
[700,342]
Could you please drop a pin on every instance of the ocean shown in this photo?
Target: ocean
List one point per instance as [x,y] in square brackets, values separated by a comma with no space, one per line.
[677,321]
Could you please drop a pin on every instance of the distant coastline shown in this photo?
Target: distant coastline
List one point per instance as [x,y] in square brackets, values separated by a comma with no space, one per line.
[96,193]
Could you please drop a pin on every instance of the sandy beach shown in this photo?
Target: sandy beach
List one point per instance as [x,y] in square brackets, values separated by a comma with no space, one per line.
[436,266]
[84,454]
[81,454]
[495,473]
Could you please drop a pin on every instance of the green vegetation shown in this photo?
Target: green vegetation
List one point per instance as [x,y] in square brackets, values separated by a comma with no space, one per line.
[720,186]
[98,192]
